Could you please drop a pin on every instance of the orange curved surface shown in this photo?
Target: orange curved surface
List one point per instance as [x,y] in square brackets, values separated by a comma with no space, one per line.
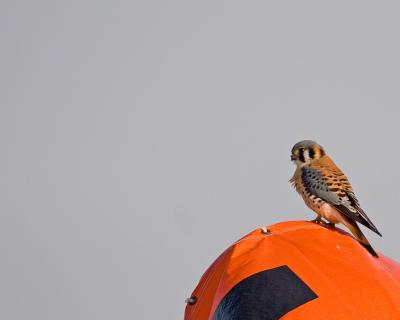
[349,282]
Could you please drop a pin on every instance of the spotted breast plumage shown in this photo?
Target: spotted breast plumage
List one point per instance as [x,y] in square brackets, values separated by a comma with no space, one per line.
[327,191]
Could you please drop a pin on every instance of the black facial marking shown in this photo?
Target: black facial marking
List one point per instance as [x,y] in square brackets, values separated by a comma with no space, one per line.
[301,155]
[311,153]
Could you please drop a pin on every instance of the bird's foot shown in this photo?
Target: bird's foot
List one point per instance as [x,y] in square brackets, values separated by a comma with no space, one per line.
[323,223]
[317,220]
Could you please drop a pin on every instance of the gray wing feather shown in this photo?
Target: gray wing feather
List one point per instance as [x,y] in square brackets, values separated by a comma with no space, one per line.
[314,184]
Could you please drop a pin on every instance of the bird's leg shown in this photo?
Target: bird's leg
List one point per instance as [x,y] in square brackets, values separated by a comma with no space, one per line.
[317,220]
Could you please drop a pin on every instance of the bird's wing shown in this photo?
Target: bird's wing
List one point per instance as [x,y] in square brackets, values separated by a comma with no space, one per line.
[328,182]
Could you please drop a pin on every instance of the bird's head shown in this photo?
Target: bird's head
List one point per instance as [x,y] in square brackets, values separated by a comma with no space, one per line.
[306,151]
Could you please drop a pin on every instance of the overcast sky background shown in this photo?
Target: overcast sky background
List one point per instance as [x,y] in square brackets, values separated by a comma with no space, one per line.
[140,138]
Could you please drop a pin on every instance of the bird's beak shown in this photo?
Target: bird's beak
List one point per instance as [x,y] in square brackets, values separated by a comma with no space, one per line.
[292,158]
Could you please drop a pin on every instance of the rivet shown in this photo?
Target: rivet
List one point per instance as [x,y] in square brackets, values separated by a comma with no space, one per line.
[191,301]
[264,230]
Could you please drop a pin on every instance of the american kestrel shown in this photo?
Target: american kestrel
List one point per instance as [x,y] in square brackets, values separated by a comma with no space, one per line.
[326,190]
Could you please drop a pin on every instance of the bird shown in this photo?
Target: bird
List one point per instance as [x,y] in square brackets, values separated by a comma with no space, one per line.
[326,190]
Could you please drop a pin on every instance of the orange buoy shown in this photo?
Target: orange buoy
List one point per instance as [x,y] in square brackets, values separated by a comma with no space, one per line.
[297,270]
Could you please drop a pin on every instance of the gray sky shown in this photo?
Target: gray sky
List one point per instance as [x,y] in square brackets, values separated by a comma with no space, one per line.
[140,138]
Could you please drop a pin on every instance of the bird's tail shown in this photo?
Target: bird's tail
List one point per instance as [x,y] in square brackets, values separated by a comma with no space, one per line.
[356,231]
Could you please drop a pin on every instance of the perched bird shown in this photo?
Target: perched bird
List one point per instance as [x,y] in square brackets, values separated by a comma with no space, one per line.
[326,190]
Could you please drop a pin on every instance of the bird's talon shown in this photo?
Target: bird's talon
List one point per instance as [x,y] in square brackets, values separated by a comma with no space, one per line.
[316,220]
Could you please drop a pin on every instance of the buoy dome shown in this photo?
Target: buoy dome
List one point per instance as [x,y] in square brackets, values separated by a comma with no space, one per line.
[297,270]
